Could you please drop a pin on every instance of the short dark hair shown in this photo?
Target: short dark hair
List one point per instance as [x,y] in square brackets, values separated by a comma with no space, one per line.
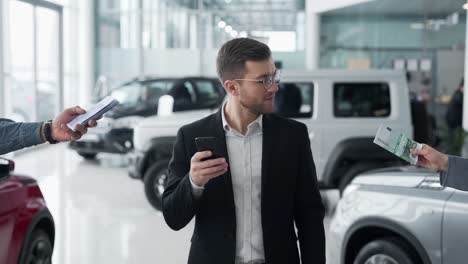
[232,56]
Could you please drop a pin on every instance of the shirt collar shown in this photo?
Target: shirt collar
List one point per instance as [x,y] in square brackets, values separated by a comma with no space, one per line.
[226,127]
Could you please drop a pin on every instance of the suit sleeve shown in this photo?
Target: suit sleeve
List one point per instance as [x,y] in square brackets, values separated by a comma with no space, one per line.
[15,136]
[456,176]
[178,201]
[309,210]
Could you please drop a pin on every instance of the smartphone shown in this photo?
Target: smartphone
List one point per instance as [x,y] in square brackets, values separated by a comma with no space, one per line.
[208,144]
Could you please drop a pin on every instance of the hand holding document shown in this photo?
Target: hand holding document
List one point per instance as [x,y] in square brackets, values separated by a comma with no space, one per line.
[94,112]
[397,143]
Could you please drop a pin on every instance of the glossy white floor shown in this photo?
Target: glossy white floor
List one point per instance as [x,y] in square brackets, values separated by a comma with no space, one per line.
[101,215]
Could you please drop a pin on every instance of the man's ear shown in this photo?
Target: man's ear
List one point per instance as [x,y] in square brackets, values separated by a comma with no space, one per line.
[231,87]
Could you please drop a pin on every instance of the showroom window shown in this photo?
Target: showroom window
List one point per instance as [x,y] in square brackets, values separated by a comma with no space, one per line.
[33,59]
[294,100]
[152,37]
[361,99]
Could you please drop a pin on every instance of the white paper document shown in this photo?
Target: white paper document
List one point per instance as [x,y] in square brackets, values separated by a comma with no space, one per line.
[94,112]
[397,143]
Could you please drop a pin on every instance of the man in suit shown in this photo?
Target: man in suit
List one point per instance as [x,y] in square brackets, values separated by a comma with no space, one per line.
[246,203]
[453,169]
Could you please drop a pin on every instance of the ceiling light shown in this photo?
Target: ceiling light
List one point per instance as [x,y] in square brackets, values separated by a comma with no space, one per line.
[228,1]
[234,34]
[243,34]
[228,29]
[221,24]
[465,6]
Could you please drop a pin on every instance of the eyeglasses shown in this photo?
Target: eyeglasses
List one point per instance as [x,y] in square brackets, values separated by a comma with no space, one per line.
[267,81]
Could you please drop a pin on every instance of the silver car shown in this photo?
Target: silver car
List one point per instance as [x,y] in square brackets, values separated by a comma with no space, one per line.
[399,216]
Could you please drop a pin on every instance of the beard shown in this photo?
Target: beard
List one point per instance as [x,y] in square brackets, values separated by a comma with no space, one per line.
[254,107]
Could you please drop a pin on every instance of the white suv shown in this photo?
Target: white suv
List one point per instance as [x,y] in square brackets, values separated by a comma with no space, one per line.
[342,110]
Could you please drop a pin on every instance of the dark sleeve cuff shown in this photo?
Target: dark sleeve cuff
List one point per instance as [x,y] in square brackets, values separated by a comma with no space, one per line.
[456,175]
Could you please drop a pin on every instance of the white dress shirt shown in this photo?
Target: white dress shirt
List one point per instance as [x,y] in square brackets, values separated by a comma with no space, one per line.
[245,163]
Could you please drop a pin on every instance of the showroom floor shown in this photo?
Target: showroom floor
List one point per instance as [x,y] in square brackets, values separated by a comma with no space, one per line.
[101,215]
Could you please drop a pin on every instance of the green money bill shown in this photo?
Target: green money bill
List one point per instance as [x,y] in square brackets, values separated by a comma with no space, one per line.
[397,143]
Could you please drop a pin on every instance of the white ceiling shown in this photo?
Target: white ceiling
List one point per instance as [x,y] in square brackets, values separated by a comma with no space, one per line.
[430,8]
[281,14]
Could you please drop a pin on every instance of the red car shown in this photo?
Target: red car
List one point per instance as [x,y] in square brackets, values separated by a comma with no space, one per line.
[27,228]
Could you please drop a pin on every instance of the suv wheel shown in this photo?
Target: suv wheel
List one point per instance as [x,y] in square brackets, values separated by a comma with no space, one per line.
[353,171]
[38,249]
[155,179]
[87,156]
[385,251]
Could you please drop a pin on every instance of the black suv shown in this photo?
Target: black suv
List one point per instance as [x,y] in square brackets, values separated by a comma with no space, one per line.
[139,98]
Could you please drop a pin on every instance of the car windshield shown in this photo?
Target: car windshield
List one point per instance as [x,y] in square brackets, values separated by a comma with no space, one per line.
[137,92]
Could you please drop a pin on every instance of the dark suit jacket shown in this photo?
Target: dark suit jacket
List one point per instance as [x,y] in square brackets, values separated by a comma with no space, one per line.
[455,176]
[289,195]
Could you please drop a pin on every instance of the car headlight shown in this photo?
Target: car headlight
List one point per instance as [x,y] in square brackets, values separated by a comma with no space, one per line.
[350,188]
[126,122]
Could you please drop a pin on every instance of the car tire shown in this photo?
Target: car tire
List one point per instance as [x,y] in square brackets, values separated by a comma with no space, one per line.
[38,250]
[386,250]
[353,171]
[87,156]
[155,179]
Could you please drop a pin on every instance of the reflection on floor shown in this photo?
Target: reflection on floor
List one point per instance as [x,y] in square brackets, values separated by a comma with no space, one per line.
[101,215]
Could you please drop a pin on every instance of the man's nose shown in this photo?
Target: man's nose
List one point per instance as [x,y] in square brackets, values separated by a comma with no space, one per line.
[273,88]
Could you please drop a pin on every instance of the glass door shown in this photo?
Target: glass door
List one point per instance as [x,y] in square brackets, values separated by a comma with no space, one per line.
[33,79]
[20,91]
[48,86]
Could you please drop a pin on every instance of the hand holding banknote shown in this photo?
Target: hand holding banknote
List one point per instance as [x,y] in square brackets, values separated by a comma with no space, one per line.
[431,158]
[397,143]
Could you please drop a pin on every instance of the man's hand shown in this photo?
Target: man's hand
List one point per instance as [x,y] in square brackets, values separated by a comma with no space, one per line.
[203,171]
[61,132]
[431,158]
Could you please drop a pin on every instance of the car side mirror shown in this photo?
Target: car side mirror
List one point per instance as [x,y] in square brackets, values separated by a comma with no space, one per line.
[165,105]
[6,166]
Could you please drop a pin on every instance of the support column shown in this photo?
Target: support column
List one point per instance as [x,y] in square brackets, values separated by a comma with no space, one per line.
[312,37]
[86,47]
[465,97]
[2,58]
[465,94]
[139,39]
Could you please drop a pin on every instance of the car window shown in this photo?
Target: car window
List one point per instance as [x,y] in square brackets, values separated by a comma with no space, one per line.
[129,94]
[155,89]
[134,93]
[361,99]
[294,100]
[209,95]
[184,95]
[191,90]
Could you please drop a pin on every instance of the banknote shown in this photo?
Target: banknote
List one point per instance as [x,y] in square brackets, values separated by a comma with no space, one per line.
[397,143]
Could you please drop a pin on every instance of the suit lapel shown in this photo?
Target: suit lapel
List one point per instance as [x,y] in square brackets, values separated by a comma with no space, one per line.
[266,156]
[220,133]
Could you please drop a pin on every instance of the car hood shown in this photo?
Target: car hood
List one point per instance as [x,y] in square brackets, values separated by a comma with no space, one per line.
[175,119]
[124,110]
[408,176]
